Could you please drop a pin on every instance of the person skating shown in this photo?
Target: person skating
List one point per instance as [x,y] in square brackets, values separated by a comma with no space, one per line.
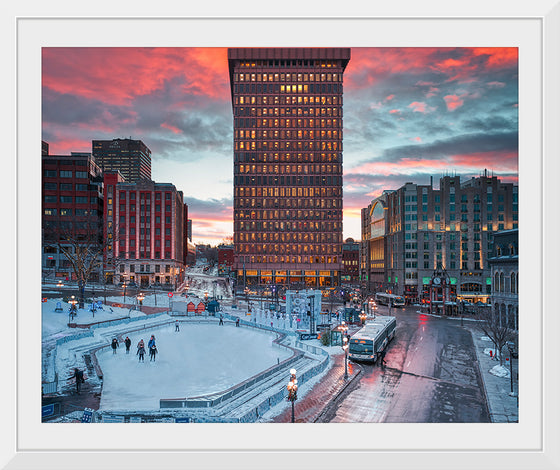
[127,343]
[79,376]
[114,345]
[141,351]
[237,322]
[176,325]
[152,341]
[221,319]
[153,351]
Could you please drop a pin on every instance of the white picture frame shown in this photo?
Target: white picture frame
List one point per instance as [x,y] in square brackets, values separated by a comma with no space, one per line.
[532,443]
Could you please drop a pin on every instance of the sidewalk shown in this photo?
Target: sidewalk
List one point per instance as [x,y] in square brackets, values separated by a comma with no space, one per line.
[503,407]
[310,408]
[70,401]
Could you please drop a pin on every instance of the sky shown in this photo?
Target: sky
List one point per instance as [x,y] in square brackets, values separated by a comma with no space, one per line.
[409,113]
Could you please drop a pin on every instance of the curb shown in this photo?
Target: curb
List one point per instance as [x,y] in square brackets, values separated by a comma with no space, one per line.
[335,397]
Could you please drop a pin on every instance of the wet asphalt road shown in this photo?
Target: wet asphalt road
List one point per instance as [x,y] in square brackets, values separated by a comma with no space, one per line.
[431,377]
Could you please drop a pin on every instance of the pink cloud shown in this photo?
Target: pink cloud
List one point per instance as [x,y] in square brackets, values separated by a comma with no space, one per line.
[394,111]
[173,129]
[496,84]
[453,102]
[389,98]
[433,92]
[420,107]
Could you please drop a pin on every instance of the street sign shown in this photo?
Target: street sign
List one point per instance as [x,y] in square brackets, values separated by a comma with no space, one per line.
[170,294]
[87,416]
[47,410]
[307,336]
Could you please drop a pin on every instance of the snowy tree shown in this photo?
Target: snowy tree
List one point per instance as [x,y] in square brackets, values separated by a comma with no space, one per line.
[80,240]
[496,329]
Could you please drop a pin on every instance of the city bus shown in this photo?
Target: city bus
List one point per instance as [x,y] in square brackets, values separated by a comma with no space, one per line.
[392,299]
[373,338]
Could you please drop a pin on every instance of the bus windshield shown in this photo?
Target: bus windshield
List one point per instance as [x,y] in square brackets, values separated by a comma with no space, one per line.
[361,346]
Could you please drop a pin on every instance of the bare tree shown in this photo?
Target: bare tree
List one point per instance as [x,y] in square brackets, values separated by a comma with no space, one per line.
[496,330]
[80,240]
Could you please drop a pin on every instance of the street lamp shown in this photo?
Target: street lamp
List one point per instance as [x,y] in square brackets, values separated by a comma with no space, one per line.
[206,297]
[345,347]
[363,317]
[73,302]
[124,293]
[292,391]
[140,298]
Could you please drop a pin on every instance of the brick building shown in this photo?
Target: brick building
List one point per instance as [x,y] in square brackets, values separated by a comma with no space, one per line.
[146,222]
[72,209]
[287,109]
[350,262]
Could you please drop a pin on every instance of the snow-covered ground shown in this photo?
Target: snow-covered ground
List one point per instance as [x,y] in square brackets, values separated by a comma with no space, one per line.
[197,360]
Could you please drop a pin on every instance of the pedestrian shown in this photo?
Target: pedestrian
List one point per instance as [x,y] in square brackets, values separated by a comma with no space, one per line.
[271,324]
[79,376]
[153,351]
[221,319]
[382,357]
[114,345]
[141,351]
[176,325]
[237,322]
[152,341]
[127,343]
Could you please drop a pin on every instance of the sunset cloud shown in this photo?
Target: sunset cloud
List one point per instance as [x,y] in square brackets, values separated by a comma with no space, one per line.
[409,113]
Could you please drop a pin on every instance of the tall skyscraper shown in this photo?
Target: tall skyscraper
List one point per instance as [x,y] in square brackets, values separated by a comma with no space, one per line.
[287,107]
[131,157]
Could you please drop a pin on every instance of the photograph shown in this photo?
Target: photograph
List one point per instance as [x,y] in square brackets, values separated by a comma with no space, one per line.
[258,241]
[314,235]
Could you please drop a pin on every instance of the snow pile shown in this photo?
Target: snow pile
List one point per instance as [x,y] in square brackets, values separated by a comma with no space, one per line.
[500,371]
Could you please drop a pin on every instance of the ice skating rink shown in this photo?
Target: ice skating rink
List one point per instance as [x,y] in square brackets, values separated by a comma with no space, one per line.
[197,360]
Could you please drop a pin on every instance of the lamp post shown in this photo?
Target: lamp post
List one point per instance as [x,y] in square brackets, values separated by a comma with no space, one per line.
[292,391]
[124,293]
[363,317]
[140,298]
[72,302]
[345,347]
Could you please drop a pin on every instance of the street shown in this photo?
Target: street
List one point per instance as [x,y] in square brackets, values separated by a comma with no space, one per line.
[431,377]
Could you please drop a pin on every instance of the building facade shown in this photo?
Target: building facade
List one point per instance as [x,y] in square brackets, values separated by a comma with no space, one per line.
[350,262]
[425,228]
[146,222]
[505,277]
[72,208]
[287,109]
[131,157]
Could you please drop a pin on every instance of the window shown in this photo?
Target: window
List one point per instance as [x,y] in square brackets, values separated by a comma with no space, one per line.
[50,186]
[81,199]
[167,208]
[83,187]
[66,173]
[68,199]
[66,186]
[49,173]
[51,199]
[65,211]
[81,174]
[50,211]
